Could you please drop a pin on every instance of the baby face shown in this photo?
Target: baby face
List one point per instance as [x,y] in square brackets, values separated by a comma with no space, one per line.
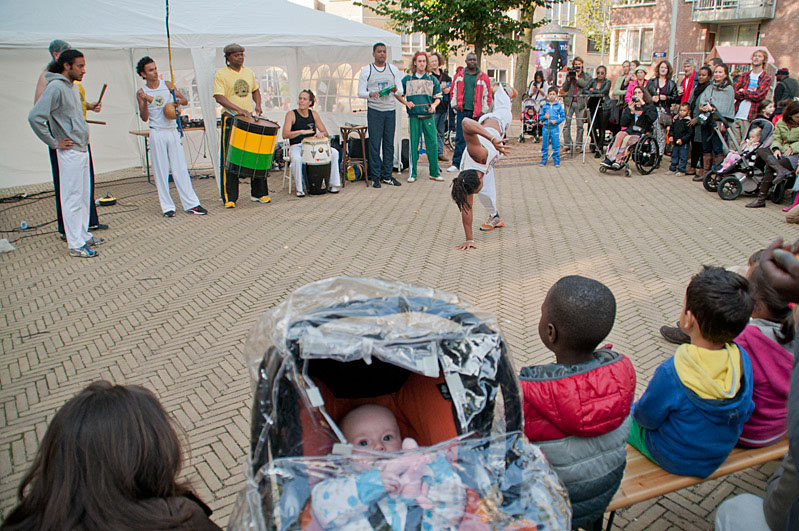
[372,428]
[754,134]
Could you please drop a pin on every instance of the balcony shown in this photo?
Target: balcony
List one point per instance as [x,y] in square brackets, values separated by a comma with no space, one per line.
[714,11]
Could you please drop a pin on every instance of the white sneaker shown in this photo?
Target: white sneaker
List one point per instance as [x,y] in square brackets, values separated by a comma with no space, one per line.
[333,190]
[437,178]
[453,169]
[411,179]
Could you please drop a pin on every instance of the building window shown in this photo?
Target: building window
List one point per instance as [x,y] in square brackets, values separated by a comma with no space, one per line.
[412,43]
[737,35]
[335,86]
[631,43]
[595,45]
[563,13]
[633,3]
[497,75]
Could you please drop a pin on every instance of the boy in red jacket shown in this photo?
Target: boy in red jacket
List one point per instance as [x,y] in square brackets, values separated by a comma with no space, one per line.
[576,409]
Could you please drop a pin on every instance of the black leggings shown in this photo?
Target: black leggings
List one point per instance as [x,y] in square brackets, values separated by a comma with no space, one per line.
[696,152]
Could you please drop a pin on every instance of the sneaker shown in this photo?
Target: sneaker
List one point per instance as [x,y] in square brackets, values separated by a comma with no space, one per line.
[679,174]
[411,179]
[670,172]
[62,236]
[376,184]
[493,222]
[169,214]
[557,164]
[94,242]
[607,163]
[333,190]
[437,178]
[674,334]
[300,194]
[198,210]
[543,163]
[230,204]
[82,252]
[392,181]
[264,199]
[452,169]
[99,226]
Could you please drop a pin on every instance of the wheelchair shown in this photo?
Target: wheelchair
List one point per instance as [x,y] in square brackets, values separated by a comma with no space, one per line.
[645,153]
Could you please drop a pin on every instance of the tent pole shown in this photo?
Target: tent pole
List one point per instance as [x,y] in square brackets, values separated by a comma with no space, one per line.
[139,124]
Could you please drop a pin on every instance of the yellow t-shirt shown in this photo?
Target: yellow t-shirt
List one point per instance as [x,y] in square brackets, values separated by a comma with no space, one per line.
[236,86]
[82,92]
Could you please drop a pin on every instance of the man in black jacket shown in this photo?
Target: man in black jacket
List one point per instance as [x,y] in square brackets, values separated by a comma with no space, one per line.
[599,90]
[787,87]
[680,136]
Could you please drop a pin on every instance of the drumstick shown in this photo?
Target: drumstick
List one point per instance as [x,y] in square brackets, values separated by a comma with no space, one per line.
[96,122]
[102,92]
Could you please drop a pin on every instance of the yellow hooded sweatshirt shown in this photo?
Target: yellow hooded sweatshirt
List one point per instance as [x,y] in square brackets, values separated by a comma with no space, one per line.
[714,374]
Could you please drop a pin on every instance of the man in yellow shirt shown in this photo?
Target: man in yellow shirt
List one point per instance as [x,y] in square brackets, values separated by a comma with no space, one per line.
[235,89]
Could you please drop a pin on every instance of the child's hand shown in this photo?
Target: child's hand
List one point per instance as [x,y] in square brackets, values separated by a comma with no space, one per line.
[553,122]
[465,246]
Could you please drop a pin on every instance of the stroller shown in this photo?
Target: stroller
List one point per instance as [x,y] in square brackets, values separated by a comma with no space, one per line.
[742,170]
[531,125]
[445,373]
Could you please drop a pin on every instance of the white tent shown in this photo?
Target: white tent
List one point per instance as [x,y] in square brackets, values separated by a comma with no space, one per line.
[288,46]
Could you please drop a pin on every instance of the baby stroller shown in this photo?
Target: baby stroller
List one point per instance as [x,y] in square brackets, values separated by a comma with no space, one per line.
[443,370]
[645,153]
[531,125]
[743,170]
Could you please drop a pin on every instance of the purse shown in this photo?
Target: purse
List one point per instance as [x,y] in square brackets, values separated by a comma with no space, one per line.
[665,119]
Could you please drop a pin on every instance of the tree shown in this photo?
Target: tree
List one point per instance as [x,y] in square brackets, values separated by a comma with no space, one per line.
[523,60]
[454,24]
[592,19]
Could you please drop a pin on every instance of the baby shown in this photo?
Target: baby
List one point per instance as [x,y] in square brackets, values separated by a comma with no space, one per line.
[751,143]
[413,491]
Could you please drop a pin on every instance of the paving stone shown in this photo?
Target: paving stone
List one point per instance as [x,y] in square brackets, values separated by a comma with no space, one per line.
[168,303]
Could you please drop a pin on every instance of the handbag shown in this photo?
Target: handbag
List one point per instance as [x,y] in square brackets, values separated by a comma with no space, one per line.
[665,119]
[615,114]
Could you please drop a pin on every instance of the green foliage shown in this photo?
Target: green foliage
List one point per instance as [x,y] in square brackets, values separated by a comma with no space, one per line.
[451,25]
[592,19]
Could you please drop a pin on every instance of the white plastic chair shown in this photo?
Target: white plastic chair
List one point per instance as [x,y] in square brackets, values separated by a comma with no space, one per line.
[286,164]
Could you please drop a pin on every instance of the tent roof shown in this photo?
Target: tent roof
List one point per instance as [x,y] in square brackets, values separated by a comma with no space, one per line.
[192,23]
[739,55]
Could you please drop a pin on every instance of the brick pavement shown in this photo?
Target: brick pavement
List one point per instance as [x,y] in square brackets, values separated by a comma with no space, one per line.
[169,302]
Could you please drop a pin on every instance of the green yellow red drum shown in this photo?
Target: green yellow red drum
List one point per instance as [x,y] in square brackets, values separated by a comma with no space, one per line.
[252,144]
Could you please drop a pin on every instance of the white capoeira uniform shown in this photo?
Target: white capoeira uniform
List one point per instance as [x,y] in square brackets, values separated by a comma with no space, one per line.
[167,152]
[296,167]
[488,193]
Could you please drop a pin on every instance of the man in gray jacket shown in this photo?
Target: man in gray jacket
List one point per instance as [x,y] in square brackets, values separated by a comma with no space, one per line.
[576,80]
[60,107]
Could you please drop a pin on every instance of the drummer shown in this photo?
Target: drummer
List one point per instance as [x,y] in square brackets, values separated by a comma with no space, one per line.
[304,122]
[235,89]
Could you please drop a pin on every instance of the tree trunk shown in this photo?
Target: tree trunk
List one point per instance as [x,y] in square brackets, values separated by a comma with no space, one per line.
[522,70]
[478,50]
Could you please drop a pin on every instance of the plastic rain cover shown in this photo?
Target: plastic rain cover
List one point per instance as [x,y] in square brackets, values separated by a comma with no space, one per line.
[304,475]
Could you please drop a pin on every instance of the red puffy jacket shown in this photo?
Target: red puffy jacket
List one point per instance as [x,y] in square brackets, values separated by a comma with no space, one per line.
[588,399]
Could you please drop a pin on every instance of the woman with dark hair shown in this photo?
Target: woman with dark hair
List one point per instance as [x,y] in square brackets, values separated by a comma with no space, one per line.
[664,92]
[304,122]
[483,148]
[109,459]
[599,108]
[703,77]
[638,118]
[716,100]
[537,89]
[782,158]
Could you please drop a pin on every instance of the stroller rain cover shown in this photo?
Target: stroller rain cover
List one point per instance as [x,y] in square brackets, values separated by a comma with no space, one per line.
[486,476]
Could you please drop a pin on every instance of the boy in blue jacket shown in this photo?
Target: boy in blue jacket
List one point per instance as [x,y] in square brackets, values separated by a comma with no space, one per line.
[693,411]
[552,115]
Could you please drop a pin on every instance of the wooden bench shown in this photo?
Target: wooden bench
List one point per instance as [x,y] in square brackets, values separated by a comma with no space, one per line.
[644,480]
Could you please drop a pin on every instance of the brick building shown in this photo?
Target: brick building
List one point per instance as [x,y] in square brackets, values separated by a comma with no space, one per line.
[642,29]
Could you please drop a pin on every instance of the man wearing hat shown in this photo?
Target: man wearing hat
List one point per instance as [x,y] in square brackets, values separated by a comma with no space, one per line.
[55,49]
[787,87]
[235,89]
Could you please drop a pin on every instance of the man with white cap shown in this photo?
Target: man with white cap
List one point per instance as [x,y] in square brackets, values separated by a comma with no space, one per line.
[235,89]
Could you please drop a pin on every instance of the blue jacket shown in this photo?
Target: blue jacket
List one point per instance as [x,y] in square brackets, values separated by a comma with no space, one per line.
[688,435]
[555,111]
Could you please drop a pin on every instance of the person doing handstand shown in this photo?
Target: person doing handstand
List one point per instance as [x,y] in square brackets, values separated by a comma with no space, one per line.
[483,148]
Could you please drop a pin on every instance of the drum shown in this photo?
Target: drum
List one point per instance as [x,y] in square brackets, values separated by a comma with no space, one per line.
[315,151]
[252,144]
[316,178]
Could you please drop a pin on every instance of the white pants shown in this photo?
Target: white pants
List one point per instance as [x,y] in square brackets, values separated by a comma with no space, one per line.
[741,513]
[167,152]
[488,193]
[73,167]
[296,167]
[501,111]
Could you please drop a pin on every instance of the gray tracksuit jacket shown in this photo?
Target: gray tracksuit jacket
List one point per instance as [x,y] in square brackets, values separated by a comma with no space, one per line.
[60,107]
